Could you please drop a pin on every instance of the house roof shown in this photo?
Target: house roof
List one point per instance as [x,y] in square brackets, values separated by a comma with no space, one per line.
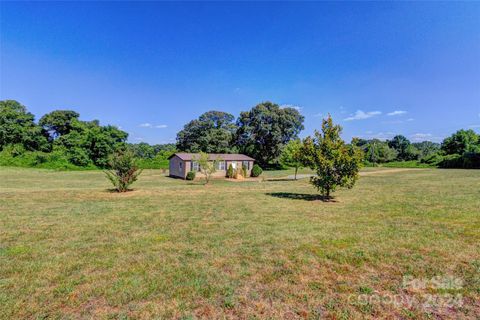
[213,156]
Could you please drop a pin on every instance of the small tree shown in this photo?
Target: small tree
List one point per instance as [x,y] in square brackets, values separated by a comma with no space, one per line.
[292,155]
[230,171]
[123,170]
[207,167]
[335,163]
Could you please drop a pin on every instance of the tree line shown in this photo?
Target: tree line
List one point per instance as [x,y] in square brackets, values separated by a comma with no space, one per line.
[266,132]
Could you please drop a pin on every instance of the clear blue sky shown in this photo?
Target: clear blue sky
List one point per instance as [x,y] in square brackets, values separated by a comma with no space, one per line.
[378,68]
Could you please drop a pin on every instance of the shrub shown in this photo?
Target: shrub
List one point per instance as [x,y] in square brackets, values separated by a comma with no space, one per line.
[123,170]
[244,171]
[191,175]
[78,157]
[433,159]
[465,161]
[230,171]
[256,170]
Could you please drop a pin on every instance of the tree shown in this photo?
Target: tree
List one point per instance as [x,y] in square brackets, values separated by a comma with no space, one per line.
[266,129]
[292,155]
[460,142]
[335,163]
[426,148]
[123,170]
[207,167]
[212,132]
[59,122]
[375,151]
[405,150]
[17,126]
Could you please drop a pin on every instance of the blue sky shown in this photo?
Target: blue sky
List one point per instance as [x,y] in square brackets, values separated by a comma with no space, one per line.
[378,68]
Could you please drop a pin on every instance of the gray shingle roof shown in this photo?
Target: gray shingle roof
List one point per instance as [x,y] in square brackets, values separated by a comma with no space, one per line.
[213,156]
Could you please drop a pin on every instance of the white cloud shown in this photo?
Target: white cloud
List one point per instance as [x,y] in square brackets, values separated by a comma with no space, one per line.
[318,115]
[361,115]
[396,113]
[419,137]
[410,119]
[291,106]
[149,125]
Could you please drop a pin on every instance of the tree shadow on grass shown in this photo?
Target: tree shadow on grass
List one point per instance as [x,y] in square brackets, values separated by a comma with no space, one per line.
[300,196]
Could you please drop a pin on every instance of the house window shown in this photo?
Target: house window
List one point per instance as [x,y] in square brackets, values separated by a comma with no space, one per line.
[220,166]
[246,164]
[195,166]
[180,166]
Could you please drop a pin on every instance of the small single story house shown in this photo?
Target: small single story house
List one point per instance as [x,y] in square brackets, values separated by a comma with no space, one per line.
[181,163]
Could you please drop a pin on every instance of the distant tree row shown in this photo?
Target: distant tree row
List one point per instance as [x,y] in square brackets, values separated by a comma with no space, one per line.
[61,137]
[460,150]
[260,133]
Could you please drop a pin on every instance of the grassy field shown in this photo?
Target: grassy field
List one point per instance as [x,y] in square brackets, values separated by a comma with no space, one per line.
[69,248]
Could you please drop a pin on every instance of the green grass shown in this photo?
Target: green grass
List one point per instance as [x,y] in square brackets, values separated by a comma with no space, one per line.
[69,248]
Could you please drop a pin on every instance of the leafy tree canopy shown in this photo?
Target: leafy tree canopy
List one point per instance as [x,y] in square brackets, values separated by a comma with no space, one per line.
[266,129]
[460,142]
[59,122]
[212,132]
[335,163]
[17,126]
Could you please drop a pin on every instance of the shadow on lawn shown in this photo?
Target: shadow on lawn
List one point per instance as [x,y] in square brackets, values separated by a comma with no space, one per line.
[300,196]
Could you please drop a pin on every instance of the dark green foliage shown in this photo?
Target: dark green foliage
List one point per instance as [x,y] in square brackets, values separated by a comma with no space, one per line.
[433,159]
[404,148]
[152,156]
[460,142]
[427,148]
[59,122]
[37,159]
[212,132]
[468,160]
[191,175]
[256,170]
[123,170]
[376,151]
[335,163]
[230,171]
[266,129]
[17,126]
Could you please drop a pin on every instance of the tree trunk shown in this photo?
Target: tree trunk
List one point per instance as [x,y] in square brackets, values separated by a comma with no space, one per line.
[296,169]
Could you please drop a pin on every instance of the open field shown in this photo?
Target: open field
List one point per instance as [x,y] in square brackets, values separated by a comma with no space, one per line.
[174,249]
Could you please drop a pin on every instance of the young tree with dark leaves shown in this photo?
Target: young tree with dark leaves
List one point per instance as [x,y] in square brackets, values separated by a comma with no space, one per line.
[336,164]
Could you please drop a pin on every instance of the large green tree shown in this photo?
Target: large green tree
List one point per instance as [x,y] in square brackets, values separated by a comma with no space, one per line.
[17,126]
[266,129]
[335,163]
[59,122]
[212,132]
[406,151]
[460,142]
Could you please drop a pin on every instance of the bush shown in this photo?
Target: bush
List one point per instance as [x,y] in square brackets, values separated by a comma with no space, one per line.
[124,170]
[78,157]
[244,171]
[433,159]
[256,170]
[191,175]
[230,171]
[465,161]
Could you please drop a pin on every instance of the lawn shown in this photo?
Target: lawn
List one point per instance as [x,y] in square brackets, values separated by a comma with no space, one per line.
[69,248]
